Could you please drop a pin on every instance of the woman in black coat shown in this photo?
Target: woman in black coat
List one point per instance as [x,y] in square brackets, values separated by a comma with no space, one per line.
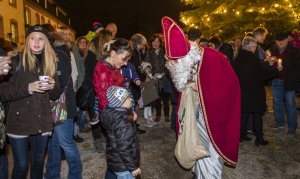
[251,74]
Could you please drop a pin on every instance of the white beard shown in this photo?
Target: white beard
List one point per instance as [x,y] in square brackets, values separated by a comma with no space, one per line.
[186,68]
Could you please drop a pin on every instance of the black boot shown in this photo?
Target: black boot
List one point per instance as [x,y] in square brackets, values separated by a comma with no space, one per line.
[245,138]
[140,131]
[261,141]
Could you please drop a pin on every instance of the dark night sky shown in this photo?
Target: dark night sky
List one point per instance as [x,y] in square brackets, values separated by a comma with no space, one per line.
[131,16]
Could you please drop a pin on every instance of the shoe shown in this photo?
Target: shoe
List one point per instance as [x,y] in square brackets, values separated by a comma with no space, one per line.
[251,132]
[291,131]
[140,131]
[167,119]
[95,120]
[78,139]
[152,121]
[99,145]
[157,119]
[148,123]
[86,130]
[246,138]
[276,126]
[261,141]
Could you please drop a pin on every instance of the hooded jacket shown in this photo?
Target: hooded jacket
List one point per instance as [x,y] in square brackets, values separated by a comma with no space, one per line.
[122,145]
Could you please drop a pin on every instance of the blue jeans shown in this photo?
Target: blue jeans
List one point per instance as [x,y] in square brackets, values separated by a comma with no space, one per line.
[124,175]
[81,119]
[3,163]
[20,149]
[280,97]
[63,137]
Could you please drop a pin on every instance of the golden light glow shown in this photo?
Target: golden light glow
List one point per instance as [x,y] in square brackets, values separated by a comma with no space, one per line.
[290,5]
[225,11]
[237,12]
[276,5]
[263,8]
[208,19]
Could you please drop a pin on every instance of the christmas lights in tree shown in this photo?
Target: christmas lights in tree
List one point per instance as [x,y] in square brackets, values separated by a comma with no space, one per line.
[231,18]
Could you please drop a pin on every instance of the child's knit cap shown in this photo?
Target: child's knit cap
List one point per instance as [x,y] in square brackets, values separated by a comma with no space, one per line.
[116,96]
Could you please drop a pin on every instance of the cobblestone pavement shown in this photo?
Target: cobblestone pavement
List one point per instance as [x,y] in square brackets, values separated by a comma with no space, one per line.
[279,160]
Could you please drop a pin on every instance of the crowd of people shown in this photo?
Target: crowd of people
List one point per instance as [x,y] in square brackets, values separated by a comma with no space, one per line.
[123,74]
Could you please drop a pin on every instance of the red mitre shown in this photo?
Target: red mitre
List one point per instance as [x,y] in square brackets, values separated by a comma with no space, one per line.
[176,44]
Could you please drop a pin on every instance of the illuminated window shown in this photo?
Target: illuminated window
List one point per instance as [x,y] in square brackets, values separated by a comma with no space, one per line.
[14,30]
[1,27]
[37,18]
[42,20]
[13,3]
[27,16]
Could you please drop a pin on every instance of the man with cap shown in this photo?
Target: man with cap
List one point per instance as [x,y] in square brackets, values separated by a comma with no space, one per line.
[285,85]
[218,89]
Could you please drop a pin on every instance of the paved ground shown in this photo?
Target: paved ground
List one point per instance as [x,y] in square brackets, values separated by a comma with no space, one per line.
[279,160]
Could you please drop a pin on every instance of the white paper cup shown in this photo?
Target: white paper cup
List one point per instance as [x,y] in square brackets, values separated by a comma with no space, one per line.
[5,70]
[43,78]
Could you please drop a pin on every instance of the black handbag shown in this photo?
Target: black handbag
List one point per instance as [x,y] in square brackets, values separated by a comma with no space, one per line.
[84,96]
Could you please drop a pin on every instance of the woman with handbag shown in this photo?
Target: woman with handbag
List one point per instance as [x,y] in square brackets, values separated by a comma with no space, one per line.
[107,74]
[29,121]
[62,136]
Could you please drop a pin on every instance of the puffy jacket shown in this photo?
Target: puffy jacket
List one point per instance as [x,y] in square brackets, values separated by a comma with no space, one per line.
[122,145]
[105,76]
[129,73]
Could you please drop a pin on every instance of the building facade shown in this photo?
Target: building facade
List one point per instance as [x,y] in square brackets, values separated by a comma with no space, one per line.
[17,15]
[12,20]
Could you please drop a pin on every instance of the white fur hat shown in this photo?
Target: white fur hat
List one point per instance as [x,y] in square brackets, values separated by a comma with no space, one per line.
[145,64]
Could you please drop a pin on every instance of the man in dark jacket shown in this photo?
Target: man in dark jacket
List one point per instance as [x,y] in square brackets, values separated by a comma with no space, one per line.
[216,43]
[285,85]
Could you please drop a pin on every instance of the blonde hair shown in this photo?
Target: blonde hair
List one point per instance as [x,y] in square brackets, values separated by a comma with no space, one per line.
[97,44]
[49,60]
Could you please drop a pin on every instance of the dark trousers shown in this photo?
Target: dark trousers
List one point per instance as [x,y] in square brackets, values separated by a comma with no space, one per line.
[165,98]
[20,149]
[257,124]
[96,129]
[3,163]
[110,175]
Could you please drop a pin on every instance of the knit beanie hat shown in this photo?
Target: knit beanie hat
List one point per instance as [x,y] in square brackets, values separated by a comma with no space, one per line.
[116,96]
[37,28]
[145,64]
[96,26]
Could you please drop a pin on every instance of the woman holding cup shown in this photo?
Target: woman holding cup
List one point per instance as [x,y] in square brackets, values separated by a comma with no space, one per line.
[29,120]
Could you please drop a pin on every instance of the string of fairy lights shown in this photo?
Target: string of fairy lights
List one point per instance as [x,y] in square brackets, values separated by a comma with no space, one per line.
[226,8]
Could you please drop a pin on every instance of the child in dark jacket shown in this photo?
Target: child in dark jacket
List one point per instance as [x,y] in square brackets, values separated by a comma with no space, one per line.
[122,146]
